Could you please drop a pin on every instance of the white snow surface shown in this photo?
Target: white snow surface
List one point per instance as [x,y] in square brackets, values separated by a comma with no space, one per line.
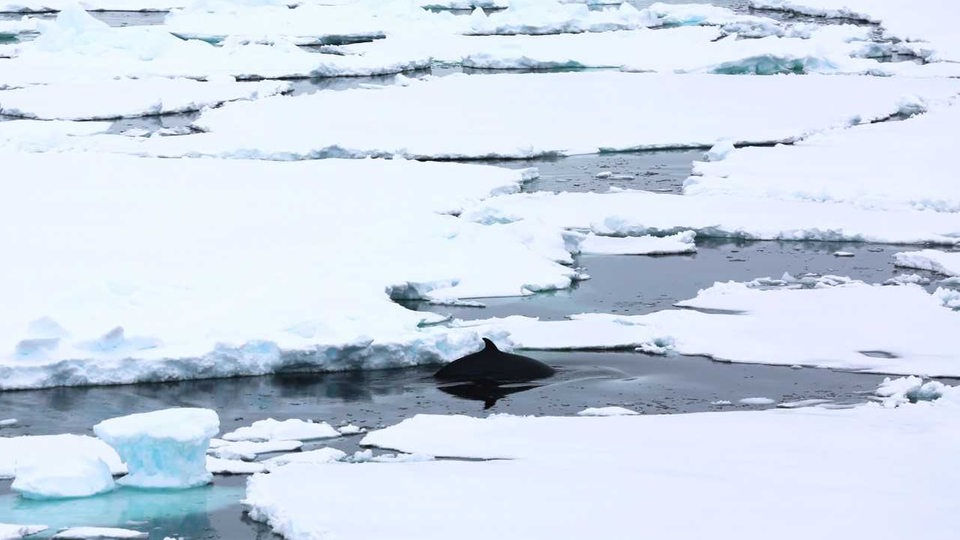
[351,233]
[248,450]
[824,326]
[84,533]
[52,449]
[162,449]
[286,430]
[512,115]
[127,98]
[319,456]
[74,475]
[904,164]
[606,411]
[679,243]
[933,37]
[639,213]
[941,262]
[13,531]
[712,465]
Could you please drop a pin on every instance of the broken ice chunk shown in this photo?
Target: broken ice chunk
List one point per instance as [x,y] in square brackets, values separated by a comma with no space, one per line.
[719,151]
[287,430]
[607,411]
[84,533]
[76,475]
[162,449]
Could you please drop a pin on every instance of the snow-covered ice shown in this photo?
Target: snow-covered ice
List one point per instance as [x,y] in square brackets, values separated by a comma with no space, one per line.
[233,466]
[518,114]
[354,229]
[906,164]
[606,411]
[7,422]
[679,243]
[941,262]
[757,401]
[53,449]
[91,533]
[822,326]
[248,450]
[292,429]
[74,475]
[127,98]
[711,465]
[162,449]
[319,456]
[12,531]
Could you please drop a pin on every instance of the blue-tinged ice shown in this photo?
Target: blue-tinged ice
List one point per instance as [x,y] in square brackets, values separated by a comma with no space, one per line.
[162,449]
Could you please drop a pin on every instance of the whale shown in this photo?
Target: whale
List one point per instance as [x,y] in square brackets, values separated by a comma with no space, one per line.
[491,366]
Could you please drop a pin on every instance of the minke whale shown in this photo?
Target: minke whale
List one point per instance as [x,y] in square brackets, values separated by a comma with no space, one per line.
[490,365]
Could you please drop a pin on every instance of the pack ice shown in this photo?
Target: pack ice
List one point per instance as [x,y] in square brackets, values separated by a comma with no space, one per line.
[162,449]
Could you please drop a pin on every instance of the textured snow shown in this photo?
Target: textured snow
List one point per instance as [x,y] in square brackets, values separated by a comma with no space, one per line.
[162,449]
[904,164]
[127,98]
[832,455]
[639,213]
[233,466]
[286,430]
[606,411]
[827,328]
[52,449]
[935,38]
[518,115]
[108,316]
[941,262]
[682,242]
[248,450]
[82,533]
[75,475]
[316,457]
[12,531]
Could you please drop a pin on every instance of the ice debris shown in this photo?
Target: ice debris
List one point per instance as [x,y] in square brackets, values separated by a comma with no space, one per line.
[606,411]
[286,430]
[97,533]
[75,475]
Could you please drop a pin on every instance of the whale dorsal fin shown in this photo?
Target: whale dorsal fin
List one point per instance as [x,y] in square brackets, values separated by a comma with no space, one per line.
[488,346]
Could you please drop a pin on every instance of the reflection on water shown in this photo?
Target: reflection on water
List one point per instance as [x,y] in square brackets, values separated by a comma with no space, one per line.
[175,512]
[487,392]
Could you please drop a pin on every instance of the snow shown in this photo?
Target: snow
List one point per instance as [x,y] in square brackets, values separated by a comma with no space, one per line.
[889,165]
[738,322]
[286,430]
[638,213]
[351,429]
[7,422]
[81,533]
[52,449]
[606,411]
[248,450]
[316,457]
[11,531]
[832,455]
[902,390]
[519,113]
[127,98]
[682,242]
[941,262]
[79,475]
[233,466]
[232,318]
[934,37]
[757,401]
[162,449]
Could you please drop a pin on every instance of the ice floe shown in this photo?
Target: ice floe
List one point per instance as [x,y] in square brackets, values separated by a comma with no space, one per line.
[682,242]
[286,430]
[52,449]
[517,114]
[233,466]
[935,38]
[91,533]
[162,449]
[316,457]
[902,390]
[127,98]
[607,411]
[248,450]
[74,475]
[832,455]
[12,531]
[638,213]
[941,262]
[266,288]
[852,326]
[887,165]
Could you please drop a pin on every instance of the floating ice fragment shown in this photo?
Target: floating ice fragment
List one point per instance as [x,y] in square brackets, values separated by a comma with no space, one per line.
[843,254]
[679,243]
[350,429]
[52,449]
[162,449]
[719,151]
[606,411]
[248,450]
[7,422]
[941,262]
[91,533]
[896,392]
[721,402]
[757,401]
[75,475]
[313,457]
[801,403]
[11,531]
[286,430]
[233,466]
[603,174]
[905,279]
